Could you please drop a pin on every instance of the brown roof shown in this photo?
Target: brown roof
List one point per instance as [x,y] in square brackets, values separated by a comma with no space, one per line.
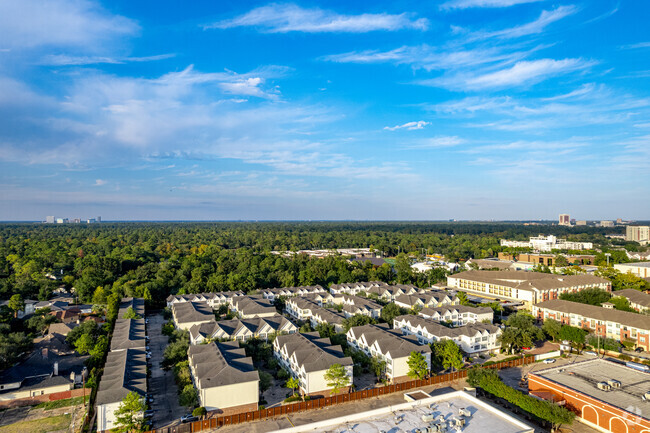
[634,296]
[532,281]
[635,320]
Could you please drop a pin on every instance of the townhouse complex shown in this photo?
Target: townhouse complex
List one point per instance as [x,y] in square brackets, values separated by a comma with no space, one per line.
[289,292]
[224,377]
[526,287]
[429,299]
[619,325]
[458,315]
[214,300]
[126,364]
[307,357]
[392,347]
[241,329]
[188,314]
[473,339]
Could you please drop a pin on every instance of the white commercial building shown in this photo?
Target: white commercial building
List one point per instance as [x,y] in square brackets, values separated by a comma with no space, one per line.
[547,243]
[640,269]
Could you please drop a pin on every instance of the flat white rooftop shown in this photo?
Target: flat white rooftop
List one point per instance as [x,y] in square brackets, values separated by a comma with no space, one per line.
[407,417]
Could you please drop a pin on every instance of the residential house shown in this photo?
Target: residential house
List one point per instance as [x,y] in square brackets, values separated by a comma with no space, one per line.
[329,316]
[430,298]
[242,329]
[354,288]
[248,307]
[289,292]
[188,314]
[214,300]
[458,315]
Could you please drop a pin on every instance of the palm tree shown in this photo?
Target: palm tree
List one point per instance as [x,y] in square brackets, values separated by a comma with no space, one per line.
[292,383]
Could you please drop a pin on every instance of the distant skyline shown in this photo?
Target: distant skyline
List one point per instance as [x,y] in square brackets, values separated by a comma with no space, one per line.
[400,110]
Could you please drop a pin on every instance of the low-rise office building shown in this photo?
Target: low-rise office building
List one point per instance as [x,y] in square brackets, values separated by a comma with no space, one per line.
[188,314]
[125,371]
[307,357]
[224,377]
[638,300]
[458,315]
[392,347]
[526,287]
[610,323]
[640,269]
[214,300]
[473,339]
[242,329]
[248,307]
[607,396]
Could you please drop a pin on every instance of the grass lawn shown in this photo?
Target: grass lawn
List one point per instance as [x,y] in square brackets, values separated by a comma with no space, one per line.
[43,425]
[61,403]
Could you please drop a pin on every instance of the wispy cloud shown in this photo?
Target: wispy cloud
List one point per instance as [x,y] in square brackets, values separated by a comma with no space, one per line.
[465,4]
[283,18]
[66,60]
[100,182]
[64,23]
[420,124]
[635,46]
[520,74]
[438,142]
[532,28]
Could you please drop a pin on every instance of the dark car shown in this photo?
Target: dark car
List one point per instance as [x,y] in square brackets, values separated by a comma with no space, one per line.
[638,349]
[189,418]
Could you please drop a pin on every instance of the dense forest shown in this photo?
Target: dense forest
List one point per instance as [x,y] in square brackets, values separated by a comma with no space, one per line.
[152,260]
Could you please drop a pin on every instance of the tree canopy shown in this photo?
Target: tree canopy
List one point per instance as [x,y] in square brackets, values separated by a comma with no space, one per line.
[336,377]
[418,367]
[129,414]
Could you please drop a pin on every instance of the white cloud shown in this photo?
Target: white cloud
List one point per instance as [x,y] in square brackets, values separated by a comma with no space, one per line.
[66,60]
[635,46]
[283,18]
[420,124]
[464,4]
[521,73]
[535,27]
[583,90]
[439,142]
[100,182]
[71,23]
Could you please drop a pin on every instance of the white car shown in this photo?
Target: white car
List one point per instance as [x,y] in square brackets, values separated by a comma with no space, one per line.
[590,353]
[549,361]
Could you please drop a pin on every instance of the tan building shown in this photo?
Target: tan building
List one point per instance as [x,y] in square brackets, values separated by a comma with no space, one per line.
[526,287]
[610,323]
[640,269]
[564,220]
[638,300]
[549,260]
[640,234]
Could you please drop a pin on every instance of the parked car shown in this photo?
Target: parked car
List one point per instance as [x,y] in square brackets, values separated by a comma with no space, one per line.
[638,349]
[549,361]
[590,353]
[148,413]
[189,418]
[525,348]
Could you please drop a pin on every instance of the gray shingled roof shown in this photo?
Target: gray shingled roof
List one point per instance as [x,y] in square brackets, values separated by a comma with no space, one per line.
[124,371]
[312,352]
[635,296]
[460,309]
[188,312]
[231,327]
[220,364]
[635,320]
[439,330]
[247,305]
[389,341]
[128,334]
[136,303]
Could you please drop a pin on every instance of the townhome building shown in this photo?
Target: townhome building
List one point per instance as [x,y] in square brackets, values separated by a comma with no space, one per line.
[473,339]
[136,304]
[242,329]
[248,307]
[392,347]
[389,293]
[638,300]
[354,288]
[353,305]
[302,308]
[430,298]
[528,288]
[307,357]
[188,314]
[610,323]
[224,377]
[289,292]
[214,300]
[328,316]
[128,334]
[458,315]
[125,371]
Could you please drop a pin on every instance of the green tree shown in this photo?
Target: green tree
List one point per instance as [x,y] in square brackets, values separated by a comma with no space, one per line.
[326,330]
[266,380]
[378,367]
[552,328]
[188,396]
[418,367]
[403,269]
[293,384]
[16,304]
[462,297]
[390,311]
[84,344]
[336,377]
[200,412]
[447,354]
[129,414]
[131,314]
[575,336]
[357,320]
[520,331]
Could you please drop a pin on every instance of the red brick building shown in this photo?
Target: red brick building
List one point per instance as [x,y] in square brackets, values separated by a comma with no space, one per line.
[605,395]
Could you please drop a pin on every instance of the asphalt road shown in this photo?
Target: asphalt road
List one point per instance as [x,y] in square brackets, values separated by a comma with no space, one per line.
[162,386]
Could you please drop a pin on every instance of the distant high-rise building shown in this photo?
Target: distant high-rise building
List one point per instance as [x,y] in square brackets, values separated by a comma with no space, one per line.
[99,219]
[607,223]
[639,234]
[50,219]
[565,219]
[619,221]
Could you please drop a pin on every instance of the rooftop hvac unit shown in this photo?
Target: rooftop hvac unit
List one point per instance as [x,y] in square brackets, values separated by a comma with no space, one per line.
[614,383]
[459,422]
[464,412]
[427,418]
[646,396]
[604,386]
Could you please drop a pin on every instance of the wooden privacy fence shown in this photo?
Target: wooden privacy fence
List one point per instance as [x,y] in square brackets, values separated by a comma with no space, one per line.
[319,403]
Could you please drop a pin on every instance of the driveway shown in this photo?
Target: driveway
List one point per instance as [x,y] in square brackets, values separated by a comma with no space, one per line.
[161,385]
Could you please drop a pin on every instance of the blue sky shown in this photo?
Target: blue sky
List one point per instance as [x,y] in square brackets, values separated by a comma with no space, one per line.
[466,109]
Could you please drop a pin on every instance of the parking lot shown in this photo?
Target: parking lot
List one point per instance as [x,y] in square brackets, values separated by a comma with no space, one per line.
[161,385]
